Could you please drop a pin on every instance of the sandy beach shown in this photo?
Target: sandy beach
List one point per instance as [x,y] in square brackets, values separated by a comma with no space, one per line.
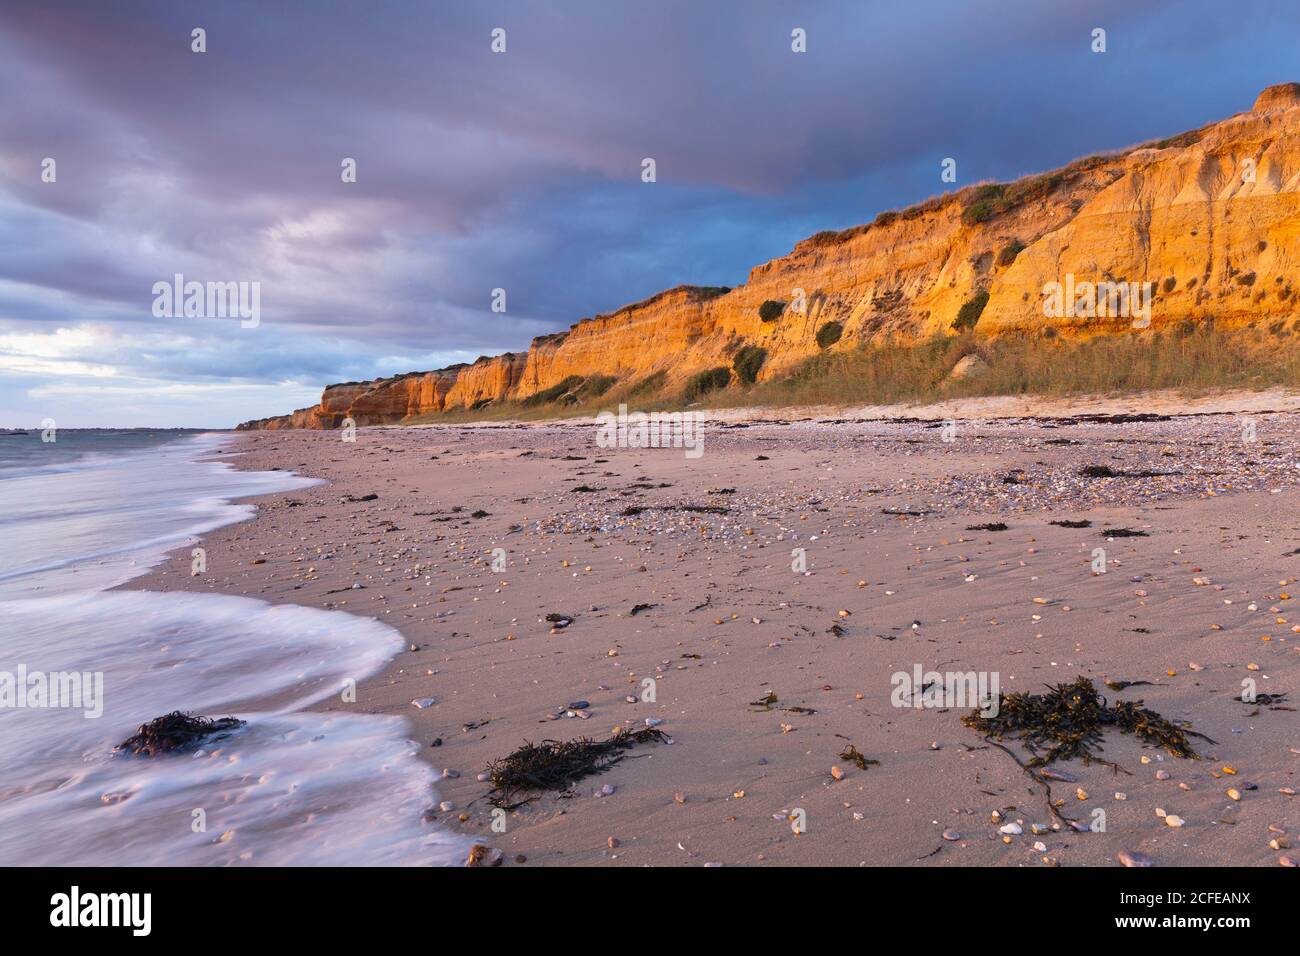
[691,603]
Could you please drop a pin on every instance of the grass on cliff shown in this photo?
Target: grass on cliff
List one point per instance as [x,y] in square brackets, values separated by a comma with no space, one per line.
[1188,360]
[1191,360]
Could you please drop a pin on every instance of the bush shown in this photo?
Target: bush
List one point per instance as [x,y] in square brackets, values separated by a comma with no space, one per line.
[548,395]
[747,363]
[595,386]
[771,310]
[1010,251]
[970,313]
[829,334]
[704,382]
[648,385]
[986,202]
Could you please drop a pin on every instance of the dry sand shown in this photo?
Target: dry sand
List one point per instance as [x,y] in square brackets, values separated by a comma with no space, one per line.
[729,622]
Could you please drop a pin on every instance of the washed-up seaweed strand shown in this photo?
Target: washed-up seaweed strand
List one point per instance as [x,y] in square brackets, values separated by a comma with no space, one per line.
[1069,721]
[556,765]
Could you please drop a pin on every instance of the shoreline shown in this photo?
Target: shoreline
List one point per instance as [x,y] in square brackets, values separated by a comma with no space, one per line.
[497,672]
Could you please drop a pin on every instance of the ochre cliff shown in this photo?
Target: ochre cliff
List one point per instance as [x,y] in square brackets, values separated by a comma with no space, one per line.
[1209,221]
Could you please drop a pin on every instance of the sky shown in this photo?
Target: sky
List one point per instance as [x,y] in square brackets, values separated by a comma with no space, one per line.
[519,170]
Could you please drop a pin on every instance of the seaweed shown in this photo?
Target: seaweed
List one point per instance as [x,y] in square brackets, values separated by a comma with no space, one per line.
[1123,533]
[176,733]
[555,765]
[1069,722]
[1105,471]
[991,526]
[1067,523]
[853,755]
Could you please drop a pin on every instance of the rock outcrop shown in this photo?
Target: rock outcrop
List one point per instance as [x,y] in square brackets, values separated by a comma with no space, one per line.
[1206,223]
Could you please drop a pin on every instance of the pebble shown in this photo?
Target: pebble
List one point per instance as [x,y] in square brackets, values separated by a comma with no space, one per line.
[1173,820]
[421,703]
[1134,858]
[1011,829]
[951,835]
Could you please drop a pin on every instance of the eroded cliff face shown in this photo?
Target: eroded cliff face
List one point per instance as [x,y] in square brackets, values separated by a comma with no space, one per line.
[1208,222]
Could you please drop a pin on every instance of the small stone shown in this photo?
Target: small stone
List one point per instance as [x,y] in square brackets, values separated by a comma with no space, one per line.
[482,855]
[421,703]
[1011,829]
[1134,858]
[1173,820]
[446,806]
[837,773]
[1289,859]
[951,835]
[1162,774]
[1234,793]
[612,842]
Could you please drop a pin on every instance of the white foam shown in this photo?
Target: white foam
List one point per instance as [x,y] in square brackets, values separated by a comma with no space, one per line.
[292,786]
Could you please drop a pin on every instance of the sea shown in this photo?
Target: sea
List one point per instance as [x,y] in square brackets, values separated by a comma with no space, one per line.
[84,663]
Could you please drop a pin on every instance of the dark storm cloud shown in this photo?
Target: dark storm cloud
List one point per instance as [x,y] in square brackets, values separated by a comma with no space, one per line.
[521,170]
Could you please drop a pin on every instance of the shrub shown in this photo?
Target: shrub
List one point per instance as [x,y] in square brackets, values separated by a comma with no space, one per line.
[970,313]
[829,334]
[1010,251]
[747,363]
[651,383]
[706,381]
[595,386]
[986,202]
[771,310]
[548,395]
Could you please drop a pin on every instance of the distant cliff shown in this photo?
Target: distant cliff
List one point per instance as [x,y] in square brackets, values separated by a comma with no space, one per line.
[1208,222]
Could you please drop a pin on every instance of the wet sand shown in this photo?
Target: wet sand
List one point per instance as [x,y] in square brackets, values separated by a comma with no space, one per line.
[729,621]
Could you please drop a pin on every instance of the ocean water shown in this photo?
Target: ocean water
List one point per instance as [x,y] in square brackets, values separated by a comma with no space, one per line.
[290,787]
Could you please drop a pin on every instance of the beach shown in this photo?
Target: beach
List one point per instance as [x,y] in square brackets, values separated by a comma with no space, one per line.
[757,603]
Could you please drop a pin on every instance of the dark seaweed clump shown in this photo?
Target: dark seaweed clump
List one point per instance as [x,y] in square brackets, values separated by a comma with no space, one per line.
[855,756]
[1069,721]
[176,733]
[556,765]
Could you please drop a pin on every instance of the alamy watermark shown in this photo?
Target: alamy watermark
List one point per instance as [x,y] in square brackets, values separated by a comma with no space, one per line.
[1098,300]
[208,300]
[83,690]
[957,689]
[651,430]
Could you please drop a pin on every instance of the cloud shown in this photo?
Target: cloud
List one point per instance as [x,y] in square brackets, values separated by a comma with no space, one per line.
[518,170]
